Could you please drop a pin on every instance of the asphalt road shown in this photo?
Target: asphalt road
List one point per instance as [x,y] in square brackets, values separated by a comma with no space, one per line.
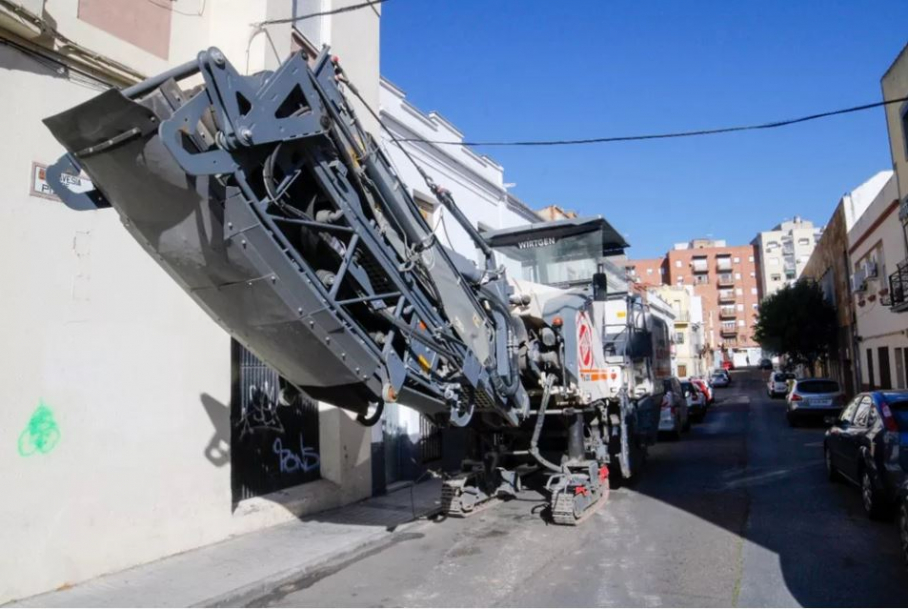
[738,513]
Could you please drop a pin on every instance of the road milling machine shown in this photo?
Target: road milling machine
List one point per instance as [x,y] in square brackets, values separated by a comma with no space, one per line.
[265,199]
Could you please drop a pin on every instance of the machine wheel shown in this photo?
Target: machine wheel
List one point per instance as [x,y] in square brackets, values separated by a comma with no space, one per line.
[831,472]
[871,498]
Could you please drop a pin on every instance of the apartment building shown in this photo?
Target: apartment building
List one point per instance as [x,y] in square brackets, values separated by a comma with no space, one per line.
[726,280]
[725,277]
[895,86]
[689,356]
[829,265]
[783,252]
[129,435]
[876,243]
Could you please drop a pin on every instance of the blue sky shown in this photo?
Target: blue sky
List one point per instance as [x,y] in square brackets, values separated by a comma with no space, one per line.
[537,69]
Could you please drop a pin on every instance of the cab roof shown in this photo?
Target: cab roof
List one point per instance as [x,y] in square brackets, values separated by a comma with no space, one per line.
[612,241]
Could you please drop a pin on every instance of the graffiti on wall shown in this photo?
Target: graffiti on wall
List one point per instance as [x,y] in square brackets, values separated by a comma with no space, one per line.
[273,430]
[41,434]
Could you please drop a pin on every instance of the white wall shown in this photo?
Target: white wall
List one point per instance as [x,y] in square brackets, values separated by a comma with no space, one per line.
[476,183]
[98,334]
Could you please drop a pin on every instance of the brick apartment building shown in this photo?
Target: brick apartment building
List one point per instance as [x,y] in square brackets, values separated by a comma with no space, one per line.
[727,280]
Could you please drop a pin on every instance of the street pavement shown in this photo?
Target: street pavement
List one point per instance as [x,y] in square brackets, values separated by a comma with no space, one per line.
[737,513]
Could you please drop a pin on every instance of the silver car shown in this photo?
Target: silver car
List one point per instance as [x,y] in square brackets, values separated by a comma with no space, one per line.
[818,399]
[674,416]
[778,384]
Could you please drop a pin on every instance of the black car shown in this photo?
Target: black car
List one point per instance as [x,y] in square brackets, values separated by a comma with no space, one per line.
[868,445]
[903,519]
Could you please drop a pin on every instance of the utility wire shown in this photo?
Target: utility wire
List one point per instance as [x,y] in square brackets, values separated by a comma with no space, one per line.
[344,9]
[663,136]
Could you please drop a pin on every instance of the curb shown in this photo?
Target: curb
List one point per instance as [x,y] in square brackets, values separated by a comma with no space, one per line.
[282,583]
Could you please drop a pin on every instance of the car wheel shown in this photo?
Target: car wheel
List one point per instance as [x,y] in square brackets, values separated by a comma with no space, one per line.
[831,472]
[871,499]
[903,529]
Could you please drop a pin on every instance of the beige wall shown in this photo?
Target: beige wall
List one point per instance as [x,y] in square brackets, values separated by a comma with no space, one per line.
[97,333]
[895,85]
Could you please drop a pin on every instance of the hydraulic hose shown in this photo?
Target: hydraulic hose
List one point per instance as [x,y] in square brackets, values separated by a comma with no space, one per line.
[537,430]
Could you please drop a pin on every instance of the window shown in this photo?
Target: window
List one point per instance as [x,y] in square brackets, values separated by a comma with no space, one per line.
[737,259]
[753,291]
[755,306]
[701,279]
[681,280]
[678,263]
[803,241]
[739,291]
[750,258]
[753,274]
[737,275]
[848,413]
[649,271]
[863,413]
[885,372]
[776,277]
[740,323]
[740,307]
[679,338]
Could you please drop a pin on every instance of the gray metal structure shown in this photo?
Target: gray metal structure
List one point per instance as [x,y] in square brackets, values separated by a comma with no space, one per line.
[266,201]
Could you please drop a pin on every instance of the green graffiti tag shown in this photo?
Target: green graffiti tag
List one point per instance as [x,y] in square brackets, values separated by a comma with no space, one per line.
[41,434]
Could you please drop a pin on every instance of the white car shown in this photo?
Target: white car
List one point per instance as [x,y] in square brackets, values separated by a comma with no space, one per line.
[777,385]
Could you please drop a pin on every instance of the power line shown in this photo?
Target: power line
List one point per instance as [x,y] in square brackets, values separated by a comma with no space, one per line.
[336,11]
[664,136]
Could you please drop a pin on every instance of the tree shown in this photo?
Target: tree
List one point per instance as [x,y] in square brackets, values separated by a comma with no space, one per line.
[797,321]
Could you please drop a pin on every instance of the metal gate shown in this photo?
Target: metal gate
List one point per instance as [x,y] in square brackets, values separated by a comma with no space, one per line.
[273,430]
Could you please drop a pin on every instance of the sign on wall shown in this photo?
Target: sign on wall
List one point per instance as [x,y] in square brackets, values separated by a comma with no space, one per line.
[38,186]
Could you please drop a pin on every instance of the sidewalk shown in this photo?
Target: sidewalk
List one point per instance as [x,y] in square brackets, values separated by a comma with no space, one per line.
[239,570]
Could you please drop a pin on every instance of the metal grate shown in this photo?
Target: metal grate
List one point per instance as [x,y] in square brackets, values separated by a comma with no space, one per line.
[429,440]
[273,430]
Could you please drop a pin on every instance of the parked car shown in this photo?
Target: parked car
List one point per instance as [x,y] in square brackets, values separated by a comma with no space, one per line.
[903,519]
[720,378]
[728,364]
[696,401]
[673,415]
[865,446]
[778,384]
[706,389]
[814,399]
[765,364]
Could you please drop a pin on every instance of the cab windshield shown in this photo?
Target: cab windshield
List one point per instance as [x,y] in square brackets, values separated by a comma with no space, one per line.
[554,261]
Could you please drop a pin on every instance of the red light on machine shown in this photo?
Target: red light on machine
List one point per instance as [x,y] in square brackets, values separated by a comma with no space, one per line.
[557,322]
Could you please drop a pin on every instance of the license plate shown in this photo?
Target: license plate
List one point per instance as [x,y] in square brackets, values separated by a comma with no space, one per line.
[821,402]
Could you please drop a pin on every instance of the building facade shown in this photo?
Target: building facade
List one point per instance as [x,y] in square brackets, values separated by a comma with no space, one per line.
[689,355]
[830,266]
[895,86]
[127,432]
[783,253]
[876,243]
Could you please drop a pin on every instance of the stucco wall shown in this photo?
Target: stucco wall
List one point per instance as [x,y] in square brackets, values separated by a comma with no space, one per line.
[110,456]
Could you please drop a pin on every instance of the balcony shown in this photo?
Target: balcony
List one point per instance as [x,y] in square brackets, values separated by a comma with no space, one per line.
[682,317]
[727,313]
[898,288]
[699,265]
[723,264]
[729,331]
[726,279]
[726,296]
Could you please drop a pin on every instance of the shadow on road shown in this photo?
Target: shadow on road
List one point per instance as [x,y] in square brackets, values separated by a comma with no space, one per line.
[746,471]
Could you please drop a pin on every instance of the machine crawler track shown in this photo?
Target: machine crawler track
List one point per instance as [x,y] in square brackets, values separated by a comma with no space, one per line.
[563,511]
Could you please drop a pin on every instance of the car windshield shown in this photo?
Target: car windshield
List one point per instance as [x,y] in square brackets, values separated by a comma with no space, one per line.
[780,377]
[687,387]
[900,414]
[818,387]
